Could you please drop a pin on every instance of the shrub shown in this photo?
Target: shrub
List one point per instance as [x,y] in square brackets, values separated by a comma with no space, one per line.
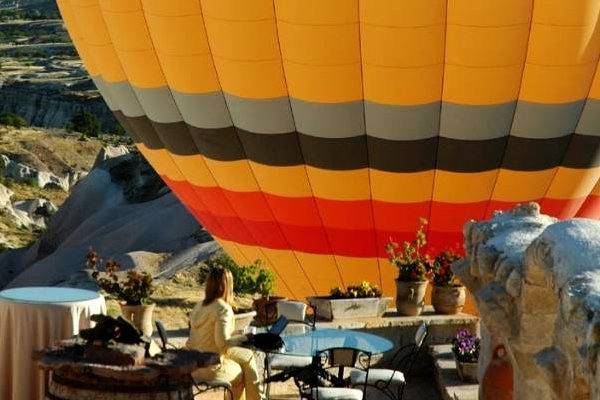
[135,289]
[413,264]
[85,123]
[11,119]
[247,279]
[442,271]
[363,290]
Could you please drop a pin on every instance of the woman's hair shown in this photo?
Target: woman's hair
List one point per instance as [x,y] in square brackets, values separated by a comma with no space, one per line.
[219,285]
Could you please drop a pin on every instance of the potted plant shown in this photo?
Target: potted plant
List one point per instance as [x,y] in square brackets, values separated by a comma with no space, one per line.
[248,281]
[356,301]
[133,292]
[414,270]
[465,347]
[448,295]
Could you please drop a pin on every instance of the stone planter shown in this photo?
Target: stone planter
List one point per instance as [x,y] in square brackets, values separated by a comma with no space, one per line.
[410,297]
[243,320]
[448,299]
[140,316]
[467,371]
[266,309]
[330,309]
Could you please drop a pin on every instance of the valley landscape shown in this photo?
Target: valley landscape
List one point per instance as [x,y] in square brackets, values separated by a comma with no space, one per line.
[64,191]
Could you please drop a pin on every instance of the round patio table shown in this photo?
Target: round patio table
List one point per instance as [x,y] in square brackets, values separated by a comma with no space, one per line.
[32,318]
[313,341]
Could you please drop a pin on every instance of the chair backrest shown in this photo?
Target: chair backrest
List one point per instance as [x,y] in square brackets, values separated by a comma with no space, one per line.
[420,334]
[345,357]
[162,333]
[292,310]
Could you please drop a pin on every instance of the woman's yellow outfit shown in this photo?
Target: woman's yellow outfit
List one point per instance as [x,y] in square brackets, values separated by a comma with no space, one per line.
[212,327]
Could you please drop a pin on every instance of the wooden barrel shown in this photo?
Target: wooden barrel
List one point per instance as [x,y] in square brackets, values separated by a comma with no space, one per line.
[75,386]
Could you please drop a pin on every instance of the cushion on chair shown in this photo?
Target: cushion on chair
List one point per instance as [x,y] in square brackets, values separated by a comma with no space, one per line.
[332,393]
[213,383]
[357,377]
[283,361]
[292,310]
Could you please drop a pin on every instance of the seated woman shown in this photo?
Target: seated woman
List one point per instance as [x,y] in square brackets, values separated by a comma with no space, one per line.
[212,325]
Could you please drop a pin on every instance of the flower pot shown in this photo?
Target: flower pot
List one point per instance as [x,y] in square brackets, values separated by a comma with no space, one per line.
[266,309]
[410,297]
[498,381]
[448,299]
[243,320]
[140,316]
[330,309]
[467,371]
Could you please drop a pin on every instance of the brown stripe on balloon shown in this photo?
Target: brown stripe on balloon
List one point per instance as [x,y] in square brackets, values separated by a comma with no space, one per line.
[218,144]
[402,156]
[278,150]
[335,153]
[526,154]
[470,155]
[125,124]
[145,132]
[292,148]
[583,152]
[176,138]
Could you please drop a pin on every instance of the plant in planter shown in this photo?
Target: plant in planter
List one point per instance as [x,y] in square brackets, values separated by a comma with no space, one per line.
[448,295]
[414,270]
[356,301]
[465,347]
[133,292]
[253,280]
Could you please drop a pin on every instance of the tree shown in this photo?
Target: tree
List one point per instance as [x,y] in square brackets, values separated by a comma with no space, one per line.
[85,123]
[11,119]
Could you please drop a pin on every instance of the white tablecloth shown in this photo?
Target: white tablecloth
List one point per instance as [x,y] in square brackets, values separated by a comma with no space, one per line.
[32,319]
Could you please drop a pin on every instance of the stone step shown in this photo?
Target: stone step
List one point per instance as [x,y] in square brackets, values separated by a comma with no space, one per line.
[449,384]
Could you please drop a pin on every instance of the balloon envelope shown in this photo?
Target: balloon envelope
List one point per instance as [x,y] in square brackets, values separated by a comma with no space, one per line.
[306,133]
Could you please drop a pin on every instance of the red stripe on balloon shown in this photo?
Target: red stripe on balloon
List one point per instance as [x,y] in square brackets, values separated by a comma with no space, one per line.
[246,218]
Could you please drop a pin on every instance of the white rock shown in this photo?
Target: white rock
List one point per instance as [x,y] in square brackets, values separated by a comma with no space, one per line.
[5,195]
[537,285]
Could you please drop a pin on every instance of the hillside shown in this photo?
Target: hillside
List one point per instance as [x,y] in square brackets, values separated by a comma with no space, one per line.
[42,78]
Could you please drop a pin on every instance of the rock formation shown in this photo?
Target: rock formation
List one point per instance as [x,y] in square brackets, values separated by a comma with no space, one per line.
[537,285]
[121,208]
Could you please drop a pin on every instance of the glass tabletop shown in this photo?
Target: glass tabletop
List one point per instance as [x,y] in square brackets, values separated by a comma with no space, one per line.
[311,342]
[47,295]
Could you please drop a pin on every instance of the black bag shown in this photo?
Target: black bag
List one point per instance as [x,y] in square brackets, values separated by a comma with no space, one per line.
[267,342]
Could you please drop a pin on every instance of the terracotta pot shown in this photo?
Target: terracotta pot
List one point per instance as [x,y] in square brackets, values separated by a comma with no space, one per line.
[266,309]
[140,316]
[467,371]
[448,299]
[498,378]
[410,297]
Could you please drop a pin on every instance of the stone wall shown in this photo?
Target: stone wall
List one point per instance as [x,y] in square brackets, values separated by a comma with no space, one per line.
[536,282]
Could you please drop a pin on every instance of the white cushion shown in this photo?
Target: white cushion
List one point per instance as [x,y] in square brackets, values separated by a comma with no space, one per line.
[331,393]
[283,361]
[357,377]
[292,310]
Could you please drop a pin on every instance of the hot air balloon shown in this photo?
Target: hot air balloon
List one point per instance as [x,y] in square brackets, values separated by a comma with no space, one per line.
[306,133]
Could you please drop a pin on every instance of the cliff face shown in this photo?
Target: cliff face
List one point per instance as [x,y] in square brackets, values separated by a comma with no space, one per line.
[52,105]
[537,285]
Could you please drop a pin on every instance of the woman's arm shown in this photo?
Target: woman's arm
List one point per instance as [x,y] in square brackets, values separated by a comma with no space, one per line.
[224,325]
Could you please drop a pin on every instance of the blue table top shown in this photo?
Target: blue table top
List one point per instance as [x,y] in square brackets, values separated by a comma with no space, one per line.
[47,295]
[311,342]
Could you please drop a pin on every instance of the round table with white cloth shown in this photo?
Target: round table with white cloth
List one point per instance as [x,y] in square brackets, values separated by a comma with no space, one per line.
[32,318]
